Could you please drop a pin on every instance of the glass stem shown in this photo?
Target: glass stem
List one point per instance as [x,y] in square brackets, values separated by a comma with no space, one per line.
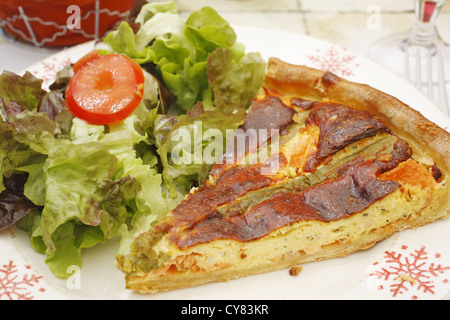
[422,35]
[423,32]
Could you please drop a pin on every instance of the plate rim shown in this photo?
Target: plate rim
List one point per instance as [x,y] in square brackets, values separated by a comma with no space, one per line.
[86,45]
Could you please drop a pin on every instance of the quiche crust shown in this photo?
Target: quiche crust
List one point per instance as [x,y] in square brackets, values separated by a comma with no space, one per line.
[299,243]
[162,260]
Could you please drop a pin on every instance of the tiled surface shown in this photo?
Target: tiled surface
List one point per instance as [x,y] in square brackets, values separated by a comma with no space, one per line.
[353,5]
[355,31]
[241,5]
[286,21]
[354,24]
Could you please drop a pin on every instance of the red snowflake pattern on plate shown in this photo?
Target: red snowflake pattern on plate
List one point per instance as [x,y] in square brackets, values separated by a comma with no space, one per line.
[49,68]
[412,271]
[334,59]
[16,284]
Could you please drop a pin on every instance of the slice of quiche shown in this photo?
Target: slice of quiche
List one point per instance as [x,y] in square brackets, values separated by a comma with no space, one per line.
[342,166]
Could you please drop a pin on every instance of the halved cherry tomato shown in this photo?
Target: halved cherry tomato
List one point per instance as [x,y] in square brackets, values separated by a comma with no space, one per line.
[104,89]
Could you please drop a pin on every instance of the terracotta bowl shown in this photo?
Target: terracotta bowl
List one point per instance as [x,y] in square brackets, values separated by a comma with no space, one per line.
[59,23]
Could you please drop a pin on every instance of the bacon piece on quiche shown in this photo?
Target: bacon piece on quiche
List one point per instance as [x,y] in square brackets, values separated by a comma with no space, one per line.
[344,166]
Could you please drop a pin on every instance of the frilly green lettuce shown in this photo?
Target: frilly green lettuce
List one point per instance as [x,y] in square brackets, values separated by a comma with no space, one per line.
[183,51]
[83,184]
[74,185]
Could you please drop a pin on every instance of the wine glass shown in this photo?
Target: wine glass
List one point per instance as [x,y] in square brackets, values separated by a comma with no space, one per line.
[403,53]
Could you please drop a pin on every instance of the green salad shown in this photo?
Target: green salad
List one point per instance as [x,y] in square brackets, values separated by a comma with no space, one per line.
[72,185]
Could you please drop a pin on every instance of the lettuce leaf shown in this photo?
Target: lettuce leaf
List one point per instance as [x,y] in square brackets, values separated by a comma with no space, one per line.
[189,144]
[26,90]
[19,138]
[234,82]
[34,187]
[123,41]
[14,205]
[206,30]
[77,179]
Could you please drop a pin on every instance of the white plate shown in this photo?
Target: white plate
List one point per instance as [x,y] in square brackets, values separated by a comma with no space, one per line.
[414,264]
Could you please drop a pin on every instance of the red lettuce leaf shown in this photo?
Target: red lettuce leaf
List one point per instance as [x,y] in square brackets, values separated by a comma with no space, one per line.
[13,203]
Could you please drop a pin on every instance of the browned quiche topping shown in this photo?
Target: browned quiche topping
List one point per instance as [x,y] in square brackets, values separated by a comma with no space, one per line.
[269,113]
[243,204]
[340,126]
[352,192]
